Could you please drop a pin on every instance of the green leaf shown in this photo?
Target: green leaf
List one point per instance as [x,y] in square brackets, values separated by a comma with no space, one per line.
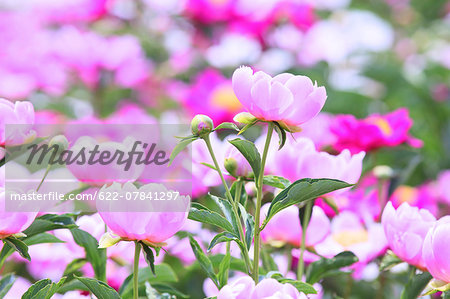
[72,285]
[236,264]
[163,288]
[303,287]
[74,266]
[41,224]
[50,222]
[332,204]
[276,181]
[389,260]
[224,237]
[319,269]
[247,126]
[267,260]
[99,288]
[203,260]
[416,285]
[42,238]
[281,135]
[250,153]
[149,256]
[164,274]
[202,214]
[227,125]
[224,266]
[43,289]
[95,256]
[6,283]
[18,246]
[227,210]
[209,166]
[446,295]
[180,147]
[249,222]
[300,191]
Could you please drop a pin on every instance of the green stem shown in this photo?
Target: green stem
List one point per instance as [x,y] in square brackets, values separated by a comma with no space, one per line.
[137,251]
[232,202]
[43,178]
[259,191]
[306,218]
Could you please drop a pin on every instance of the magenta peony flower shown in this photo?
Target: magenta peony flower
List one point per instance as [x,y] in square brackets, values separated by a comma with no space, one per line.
[151,226]
[422,197]
[436,250]
[443,186]
[373,132]
[285,227]
[292,100]
[13,222]
[405,230]
[20,113]
[212,94]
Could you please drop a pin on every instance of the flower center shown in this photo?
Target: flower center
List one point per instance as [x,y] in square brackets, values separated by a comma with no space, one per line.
[406,194]
[348,238]
[224,98]
[382,124]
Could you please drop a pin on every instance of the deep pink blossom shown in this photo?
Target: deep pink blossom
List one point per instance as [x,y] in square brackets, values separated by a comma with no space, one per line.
[373,132]
[212,94]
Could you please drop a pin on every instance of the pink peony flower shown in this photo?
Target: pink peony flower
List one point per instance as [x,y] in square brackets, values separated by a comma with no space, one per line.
[299,159]
[318,130]
[99,174]
[13,222]
[270,288]
[292,100]
[285,227]
[405,230]
[150,226]
[436,250]
[212,94]
[244,288]
[18,113]
[349,233]
[373,132]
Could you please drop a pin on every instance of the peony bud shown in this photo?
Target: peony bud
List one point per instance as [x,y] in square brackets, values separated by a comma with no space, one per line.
[231,166]
[383,172]
[244,118]
[60,141]
[201,125]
